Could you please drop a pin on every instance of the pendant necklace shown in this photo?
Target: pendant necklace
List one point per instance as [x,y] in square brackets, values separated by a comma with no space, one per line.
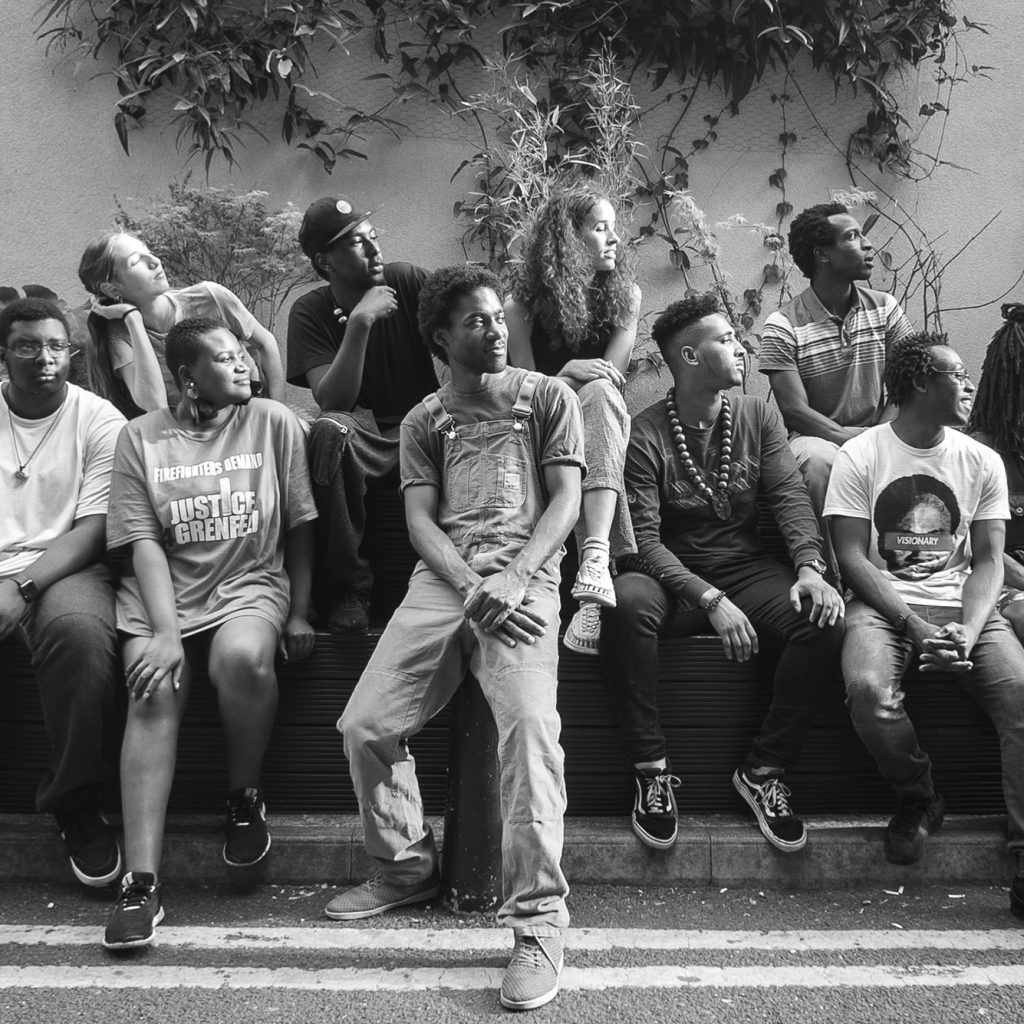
[718,495]
[21,475]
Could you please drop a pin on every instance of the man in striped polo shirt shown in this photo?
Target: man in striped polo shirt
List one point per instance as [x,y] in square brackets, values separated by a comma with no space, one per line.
[824,351]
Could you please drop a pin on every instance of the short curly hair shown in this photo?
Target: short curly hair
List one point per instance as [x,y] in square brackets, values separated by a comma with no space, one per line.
[441,292]
[29,310]
[680,314]
[908,359]
[185,339]
[811,230]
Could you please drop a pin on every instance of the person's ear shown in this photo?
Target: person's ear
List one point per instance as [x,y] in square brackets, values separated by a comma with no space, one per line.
[320,261]
[111,290]
[689,355]
[441,338]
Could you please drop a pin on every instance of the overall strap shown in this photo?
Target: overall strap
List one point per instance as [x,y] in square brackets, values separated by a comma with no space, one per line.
[522,411]
[443,422]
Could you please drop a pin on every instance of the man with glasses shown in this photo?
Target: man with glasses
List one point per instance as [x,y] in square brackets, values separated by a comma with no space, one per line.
[824,351]
[56,452]
[918,513]
[355,343]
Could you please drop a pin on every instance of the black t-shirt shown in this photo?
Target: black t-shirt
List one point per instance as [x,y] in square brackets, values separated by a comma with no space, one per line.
[550,359]
[398,370]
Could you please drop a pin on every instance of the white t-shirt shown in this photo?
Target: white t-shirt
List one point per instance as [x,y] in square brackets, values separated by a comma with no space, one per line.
[68,476]
[921,503]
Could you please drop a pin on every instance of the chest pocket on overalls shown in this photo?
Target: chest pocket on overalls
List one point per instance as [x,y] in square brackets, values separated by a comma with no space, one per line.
[487,468]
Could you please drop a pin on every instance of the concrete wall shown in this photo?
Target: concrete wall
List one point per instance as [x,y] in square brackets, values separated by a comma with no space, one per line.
[61,166]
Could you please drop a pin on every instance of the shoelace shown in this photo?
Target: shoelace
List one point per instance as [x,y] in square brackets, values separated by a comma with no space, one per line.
[591,616]
[134,897]
[531,955]
[242,813]
[591,568]
[659,793]
[775,796]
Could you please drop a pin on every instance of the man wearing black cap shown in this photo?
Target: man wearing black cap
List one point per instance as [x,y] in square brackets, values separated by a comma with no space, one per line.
[355,343]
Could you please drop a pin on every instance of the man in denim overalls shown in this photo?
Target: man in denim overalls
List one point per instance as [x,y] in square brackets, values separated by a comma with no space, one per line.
[491,469]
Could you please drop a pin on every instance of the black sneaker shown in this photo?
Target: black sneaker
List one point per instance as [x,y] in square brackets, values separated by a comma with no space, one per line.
[136,913]
[1017,897]
[92,846]
[246,839]
[655,815]
[911,825]
[769,800]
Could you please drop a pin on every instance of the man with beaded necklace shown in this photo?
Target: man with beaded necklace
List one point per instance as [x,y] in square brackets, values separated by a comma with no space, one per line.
[694,466]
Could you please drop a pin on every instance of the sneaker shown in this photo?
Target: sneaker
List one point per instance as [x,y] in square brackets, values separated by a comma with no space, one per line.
[655,815]
[377,895]
[594,582]
[583,634]
[246,839]
[136,913]
[350,613]
[531,978]
[92,846]
[913,822]
[1017,897]
[769,800]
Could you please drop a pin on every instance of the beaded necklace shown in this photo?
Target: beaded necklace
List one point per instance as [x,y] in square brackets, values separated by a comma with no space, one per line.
[718,495]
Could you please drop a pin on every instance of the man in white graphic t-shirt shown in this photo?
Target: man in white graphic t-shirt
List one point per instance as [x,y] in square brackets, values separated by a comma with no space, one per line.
[918,513]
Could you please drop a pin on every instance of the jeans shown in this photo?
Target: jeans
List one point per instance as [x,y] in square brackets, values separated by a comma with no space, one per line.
[416,668]
[347,451]
[605,436]
[71,634]
[645,611]
[814,458]
[875,659]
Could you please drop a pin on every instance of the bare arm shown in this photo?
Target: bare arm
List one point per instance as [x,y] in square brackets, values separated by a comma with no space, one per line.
[981,590]
[520,351]
[791,396]
[336,386]
[143,376]
[298,638]
[82,545]
[270,361]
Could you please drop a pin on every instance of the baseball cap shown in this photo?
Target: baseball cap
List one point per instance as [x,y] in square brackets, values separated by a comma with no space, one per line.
[327,220]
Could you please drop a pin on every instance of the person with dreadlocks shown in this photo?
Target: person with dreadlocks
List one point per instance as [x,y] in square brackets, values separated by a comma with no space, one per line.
[918,486]
[997,419]
[823,352]
[573,315]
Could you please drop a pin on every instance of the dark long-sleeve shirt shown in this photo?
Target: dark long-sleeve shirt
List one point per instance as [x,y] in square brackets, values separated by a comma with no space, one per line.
[677,531]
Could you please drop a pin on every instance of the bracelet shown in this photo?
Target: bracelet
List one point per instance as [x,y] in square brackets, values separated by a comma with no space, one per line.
[714,602]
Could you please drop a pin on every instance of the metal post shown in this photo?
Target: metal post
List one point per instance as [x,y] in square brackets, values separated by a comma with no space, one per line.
[471,854]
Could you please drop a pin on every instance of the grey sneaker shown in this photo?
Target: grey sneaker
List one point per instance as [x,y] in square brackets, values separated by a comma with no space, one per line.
[531,978]
[583,634]
[377,895]
[594,582]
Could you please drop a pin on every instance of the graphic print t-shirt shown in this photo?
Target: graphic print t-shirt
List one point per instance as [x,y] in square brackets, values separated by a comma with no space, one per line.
[220,506]
[921,503]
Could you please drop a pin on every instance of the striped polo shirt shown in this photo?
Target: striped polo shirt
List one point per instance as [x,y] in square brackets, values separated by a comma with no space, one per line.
[840,360]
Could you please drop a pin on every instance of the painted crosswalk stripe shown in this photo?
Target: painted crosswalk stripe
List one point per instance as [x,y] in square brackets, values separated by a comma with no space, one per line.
[665,976]
[499,939]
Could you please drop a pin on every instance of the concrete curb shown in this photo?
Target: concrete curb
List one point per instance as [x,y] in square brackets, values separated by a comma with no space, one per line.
[710,851]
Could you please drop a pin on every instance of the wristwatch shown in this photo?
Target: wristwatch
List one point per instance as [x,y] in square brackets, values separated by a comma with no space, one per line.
[816,564]
[28,590]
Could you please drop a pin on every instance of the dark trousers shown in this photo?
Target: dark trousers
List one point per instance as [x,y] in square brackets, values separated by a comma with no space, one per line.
[77,663]
[347,452]
[645,611]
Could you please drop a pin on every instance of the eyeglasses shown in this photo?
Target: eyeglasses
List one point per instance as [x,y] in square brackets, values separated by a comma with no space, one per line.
[34,349]
[961,376]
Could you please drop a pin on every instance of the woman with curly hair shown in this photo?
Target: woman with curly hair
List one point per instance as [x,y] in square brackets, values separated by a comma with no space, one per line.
[573,314]
[133,308]
[997,419]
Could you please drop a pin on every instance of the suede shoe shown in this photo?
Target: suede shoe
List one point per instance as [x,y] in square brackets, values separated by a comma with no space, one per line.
[913,822]
[378,895]
[583,634]
[92,846]
[655,814]
[769,800]
[136,913]
[350,613]
[531,978]
[246,839]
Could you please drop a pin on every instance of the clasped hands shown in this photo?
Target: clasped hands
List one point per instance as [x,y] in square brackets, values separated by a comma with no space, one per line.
[498,605]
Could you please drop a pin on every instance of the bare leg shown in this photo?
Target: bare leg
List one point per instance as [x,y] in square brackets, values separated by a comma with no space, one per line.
[148,757]
[242,672]
[599,512]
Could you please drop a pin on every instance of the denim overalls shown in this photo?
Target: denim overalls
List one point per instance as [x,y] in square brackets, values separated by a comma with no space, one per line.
[491,498]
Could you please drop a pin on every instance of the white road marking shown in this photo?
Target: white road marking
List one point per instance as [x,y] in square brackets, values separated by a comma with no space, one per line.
[399,940]
[138,976]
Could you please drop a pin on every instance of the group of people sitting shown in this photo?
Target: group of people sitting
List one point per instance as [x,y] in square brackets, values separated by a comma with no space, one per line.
[179,515]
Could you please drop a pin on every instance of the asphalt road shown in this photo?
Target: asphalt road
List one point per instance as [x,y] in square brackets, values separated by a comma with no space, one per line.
[854,956]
